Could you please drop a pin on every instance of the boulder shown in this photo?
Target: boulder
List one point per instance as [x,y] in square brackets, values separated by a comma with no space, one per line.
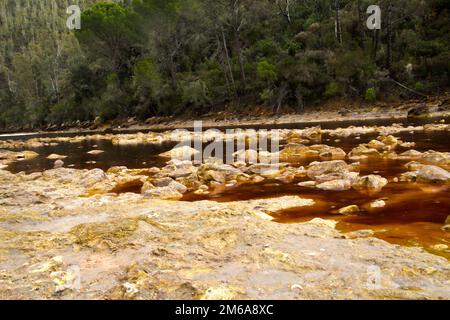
[349,210]
[169,182]
[335,185]
[333,154]
[410,176]
[441,159]
[378,204]
[370,183]
[265,170]
[55,156]
[26,155]
[414,166]
[147,186]
[389,140]
[180,153]
[411,154]
[218,172]
[431,173]
[316,169]
[375,144]
[92,177]
[95,152]
[178,169]
[351,177]
[313,134]
[164,193]
[307,184]
[293,152]
[362,151]
[58,164]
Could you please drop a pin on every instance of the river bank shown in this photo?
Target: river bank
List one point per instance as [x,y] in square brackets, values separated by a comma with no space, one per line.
[343,111]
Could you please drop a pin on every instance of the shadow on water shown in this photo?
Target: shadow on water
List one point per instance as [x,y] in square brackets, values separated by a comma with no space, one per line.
[132,156]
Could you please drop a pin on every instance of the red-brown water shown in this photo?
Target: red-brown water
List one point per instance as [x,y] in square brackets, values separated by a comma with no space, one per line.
[413,215]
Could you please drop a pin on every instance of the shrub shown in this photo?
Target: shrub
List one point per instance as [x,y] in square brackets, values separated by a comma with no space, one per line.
[419,86]
[266,95]
[266,71]
[331,90]
[371,95]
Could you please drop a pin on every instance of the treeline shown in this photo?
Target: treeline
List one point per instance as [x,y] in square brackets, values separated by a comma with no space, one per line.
[147,58]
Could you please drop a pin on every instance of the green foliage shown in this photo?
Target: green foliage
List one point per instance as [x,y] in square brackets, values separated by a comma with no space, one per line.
[371,95]
[161,57]
[266,71]
[147,81]
[418,86]
[332,90]
[110,31]
[266,95]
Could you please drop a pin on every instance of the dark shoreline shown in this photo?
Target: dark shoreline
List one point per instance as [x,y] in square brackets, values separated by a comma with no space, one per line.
[224,125]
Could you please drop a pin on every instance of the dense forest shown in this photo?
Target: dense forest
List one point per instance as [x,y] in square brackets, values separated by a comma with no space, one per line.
[147,58]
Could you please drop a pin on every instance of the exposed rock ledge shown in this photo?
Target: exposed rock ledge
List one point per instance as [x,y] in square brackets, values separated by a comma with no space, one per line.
[129,246]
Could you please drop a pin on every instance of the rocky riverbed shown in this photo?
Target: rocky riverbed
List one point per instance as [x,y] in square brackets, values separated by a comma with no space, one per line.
[163,232]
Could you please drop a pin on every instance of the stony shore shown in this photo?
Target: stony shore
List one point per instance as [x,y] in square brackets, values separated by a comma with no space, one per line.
[344,111]
[125,234]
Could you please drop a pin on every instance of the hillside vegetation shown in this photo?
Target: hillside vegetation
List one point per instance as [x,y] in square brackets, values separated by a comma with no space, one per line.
[147,58]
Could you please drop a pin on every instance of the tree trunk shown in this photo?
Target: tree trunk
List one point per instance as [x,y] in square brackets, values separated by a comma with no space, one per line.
[227,58]
[281,96]
[389,36]
[376,41]
[285,10]
[173,73]
[361,25]
[338,22]
[237,23]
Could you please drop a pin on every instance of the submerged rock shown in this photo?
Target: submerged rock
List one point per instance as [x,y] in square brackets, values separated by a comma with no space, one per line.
[180,153]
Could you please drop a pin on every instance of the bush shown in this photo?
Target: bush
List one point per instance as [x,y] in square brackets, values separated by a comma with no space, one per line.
[419,86]
[331,90]
[371,95]
[194,93]
[266,95]
[266,71]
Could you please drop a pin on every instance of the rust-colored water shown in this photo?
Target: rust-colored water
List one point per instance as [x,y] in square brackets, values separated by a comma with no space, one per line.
[414,213]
